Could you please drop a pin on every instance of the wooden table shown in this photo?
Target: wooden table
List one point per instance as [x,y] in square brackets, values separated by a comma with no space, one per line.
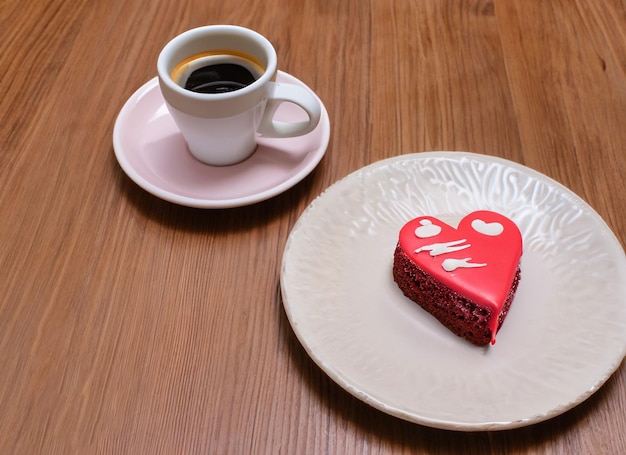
[133,325]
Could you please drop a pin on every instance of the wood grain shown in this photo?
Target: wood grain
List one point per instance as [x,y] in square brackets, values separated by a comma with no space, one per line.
[131,325]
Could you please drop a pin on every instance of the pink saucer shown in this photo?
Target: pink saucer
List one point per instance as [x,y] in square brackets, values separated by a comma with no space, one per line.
[152,152]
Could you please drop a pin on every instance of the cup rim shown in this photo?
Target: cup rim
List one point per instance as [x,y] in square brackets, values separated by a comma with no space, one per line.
[203,31]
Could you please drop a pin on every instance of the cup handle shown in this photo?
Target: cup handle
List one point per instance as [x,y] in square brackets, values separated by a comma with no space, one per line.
[280,93]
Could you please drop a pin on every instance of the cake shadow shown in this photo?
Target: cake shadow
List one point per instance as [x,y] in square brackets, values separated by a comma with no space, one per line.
[377,428]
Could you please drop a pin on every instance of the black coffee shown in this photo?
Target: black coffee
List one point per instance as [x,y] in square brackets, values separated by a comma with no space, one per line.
[219,78]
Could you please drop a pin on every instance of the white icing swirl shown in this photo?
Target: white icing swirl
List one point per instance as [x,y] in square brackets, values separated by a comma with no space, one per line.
[442,248]
[450,265]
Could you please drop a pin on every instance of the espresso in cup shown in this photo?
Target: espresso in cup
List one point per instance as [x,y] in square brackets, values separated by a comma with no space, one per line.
[218,83]
[217,72]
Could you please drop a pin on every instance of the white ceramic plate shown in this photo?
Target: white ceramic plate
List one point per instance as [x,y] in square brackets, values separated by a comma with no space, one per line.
[563,337]
[151,150]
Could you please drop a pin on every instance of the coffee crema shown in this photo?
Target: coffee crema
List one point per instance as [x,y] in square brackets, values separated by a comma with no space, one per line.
[217,72]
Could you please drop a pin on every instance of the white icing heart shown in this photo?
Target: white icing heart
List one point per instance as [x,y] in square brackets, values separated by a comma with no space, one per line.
[427,229]
[491,229]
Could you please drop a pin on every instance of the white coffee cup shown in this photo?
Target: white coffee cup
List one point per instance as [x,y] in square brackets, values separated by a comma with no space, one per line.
[222,128]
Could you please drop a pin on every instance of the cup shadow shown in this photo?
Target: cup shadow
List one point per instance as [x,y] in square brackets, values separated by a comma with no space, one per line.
[214,221]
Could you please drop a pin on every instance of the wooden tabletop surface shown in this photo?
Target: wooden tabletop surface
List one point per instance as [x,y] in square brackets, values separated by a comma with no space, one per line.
[133,325]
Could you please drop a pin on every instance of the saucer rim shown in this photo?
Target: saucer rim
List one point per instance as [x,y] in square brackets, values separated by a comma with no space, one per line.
[121,153]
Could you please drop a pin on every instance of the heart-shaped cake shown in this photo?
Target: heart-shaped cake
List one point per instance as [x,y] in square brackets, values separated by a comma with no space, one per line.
[465,276]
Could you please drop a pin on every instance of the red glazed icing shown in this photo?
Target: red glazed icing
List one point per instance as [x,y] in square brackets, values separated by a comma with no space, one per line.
[478,259]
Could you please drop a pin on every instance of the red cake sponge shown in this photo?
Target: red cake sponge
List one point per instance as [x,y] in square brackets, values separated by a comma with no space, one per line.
[466,277]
